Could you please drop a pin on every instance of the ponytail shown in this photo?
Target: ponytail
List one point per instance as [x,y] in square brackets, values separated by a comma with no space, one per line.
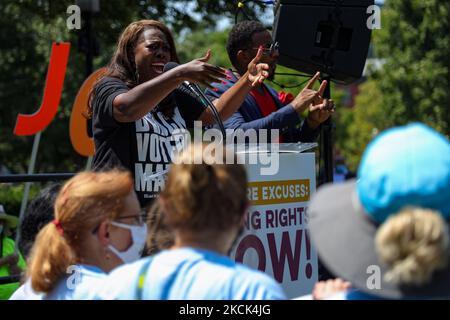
[203,192]
[83,202]
[50,257]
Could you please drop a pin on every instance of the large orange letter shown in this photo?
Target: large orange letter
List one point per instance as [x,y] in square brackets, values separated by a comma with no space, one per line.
[27,125]
[78,123]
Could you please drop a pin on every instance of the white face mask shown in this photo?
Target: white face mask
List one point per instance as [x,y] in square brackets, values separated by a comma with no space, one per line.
[138,236]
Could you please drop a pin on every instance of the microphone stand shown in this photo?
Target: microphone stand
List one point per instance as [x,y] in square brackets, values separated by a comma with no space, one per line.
[327,138]
[211,106]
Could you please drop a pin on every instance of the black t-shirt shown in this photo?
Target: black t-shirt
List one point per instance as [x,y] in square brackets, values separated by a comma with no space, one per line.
[144,147]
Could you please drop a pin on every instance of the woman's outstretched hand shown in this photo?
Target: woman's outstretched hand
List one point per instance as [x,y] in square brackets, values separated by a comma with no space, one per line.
[201,72]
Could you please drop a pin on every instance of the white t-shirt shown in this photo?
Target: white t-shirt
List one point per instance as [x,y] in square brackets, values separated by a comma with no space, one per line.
[76,285]
[26,292]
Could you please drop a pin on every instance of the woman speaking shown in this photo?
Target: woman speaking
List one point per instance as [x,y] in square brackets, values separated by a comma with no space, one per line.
[136,107]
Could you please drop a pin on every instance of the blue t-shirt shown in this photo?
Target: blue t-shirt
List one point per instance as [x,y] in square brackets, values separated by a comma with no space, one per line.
[79,284]
[189,274]
[354,294]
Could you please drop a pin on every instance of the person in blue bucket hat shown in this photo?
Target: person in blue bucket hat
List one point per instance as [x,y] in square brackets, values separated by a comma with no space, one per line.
[387,231]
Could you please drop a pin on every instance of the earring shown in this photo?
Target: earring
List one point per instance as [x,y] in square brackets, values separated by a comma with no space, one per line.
[107,254]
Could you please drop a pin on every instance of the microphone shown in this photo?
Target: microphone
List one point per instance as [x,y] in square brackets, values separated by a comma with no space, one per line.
[191,87]
[194,91]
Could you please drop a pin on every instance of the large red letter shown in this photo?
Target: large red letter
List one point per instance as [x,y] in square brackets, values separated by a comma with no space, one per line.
[27,125]
[251,241]
[285,253]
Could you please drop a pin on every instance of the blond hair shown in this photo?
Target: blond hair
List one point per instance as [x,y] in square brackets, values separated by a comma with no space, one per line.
[83,202]
[414,244]
[203,194]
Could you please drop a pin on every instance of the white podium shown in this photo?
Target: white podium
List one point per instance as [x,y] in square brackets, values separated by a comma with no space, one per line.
[276,238]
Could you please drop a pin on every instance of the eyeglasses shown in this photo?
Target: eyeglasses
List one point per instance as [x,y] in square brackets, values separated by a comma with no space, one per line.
[139,219]
[270,49]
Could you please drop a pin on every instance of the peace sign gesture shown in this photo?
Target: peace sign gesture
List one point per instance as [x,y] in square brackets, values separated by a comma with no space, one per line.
[308,96]
[320,112]
[257,72]
[320,109]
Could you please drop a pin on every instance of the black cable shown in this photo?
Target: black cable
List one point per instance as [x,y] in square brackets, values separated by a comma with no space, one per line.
[241,7]
[283,74]
[292,74]
[10,279]
[282,86]
[215,113]
[194,91]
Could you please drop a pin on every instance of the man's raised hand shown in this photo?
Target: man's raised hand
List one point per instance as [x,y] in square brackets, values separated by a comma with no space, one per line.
[308,96]
[257,72]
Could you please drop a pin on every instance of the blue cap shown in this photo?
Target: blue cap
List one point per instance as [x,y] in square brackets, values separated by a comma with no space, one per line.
[405,166]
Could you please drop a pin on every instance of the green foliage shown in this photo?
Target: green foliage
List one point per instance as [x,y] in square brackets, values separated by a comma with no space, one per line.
[415,43]
[356,127]
[413,83]
[196,44]
[27,30]
[11,196]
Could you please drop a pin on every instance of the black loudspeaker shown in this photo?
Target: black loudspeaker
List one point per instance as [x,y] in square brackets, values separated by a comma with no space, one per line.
[331,36]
